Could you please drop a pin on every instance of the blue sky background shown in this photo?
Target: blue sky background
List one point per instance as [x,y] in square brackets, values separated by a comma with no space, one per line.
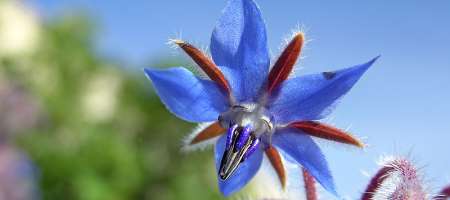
[401,106]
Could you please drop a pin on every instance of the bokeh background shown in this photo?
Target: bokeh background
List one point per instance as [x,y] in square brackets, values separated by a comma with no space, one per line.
[79,120]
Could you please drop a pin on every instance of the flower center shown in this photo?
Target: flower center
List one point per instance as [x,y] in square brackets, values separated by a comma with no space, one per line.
[252,115]
[246,125]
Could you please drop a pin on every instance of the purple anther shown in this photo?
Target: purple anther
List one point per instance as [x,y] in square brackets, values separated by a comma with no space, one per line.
[243,137]
[230,132]
[252,149]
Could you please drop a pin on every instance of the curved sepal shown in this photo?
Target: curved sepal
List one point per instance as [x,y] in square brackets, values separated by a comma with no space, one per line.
[205,63]
[277,164]
[327,132]
[204,135]
[285,63]
[310,185]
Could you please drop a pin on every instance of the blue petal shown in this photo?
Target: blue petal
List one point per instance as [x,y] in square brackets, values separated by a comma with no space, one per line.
[305,151]
[243,174]
[187,96]
[313,97]
[239,48]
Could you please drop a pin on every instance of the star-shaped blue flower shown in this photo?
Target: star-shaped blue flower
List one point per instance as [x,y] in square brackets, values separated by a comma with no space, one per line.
[251,108]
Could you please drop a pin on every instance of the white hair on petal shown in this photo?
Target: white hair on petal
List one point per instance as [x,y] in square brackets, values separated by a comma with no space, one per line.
[361,139]
[188,147]
[172,41]
[193,67]
[339,145]
[364,140]
[299,29]
[329,119]
[365,173]
[205,50]
[332,145]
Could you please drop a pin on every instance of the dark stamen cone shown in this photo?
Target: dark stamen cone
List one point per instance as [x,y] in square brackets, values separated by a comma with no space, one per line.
[205,63]
[209,132]
[327,132]
[285,63]
[310,185]
[277,163]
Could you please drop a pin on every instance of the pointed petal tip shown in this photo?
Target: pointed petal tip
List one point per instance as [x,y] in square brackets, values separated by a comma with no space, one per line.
[336,194]
[331,188]
[148,71]
[152,73]
[360,69]
[365,66]
[151,70]
[373,60]
[145,69]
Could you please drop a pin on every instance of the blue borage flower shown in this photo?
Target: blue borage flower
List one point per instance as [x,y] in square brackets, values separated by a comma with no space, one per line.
[253,109]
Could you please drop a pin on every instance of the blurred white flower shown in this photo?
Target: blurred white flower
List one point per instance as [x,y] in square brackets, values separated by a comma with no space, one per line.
[266,184]
[19,28]
[100,98]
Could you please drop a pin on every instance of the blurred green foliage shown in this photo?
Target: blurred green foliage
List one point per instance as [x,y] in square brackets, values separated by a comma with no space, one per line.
[127,149]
